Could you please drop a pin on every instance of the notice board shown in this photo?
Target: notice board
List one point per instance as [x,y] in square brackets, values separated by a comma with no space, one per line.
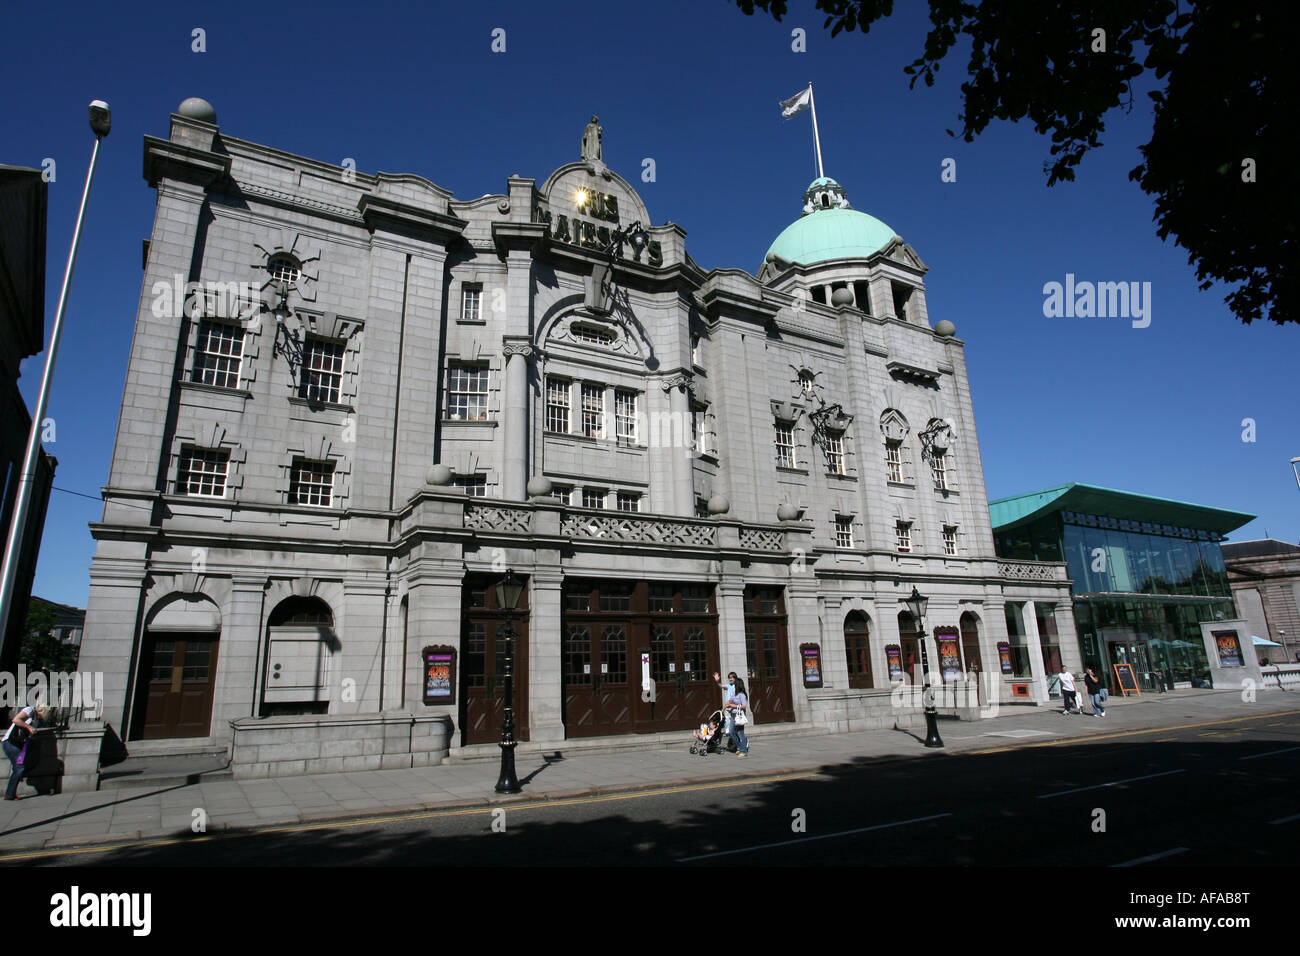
[1126,680]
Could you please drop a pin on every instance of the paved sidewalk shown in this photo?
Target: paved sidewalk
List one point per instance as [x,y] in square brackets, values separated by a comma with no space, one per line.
[126,814]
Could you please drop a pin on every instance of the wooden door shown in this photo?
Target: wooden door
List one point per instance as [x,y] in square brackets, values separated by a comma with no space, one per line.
[180,672]
[767,655]
[485,640]
[857,646]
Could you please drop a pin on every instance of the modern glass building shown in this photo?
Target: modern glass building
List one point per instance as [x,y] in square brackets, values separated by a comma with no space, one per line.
[1145,572]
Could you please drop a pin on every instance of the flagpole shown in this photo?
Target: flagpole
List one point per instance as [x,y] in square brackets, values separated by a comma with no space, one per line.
[817,140]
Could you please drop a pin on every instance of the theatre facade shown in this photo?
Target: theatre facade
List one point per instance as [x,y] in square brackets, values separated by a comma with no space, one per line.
[354,402]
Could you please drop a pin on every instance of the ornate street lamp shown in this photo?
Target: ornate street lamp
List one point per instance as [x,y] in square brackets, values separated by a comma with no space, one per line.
[917,604]
[508,590]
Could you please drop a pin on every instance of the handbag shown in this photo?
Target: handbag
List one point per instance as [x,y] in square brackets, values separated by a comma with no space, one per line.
[741,718]
[18,736]
[22,755]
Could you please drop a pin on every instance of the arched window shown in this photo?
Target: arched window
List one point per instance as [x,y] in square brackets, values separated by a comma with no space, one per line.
[857,647]
[300,646]
[970,642]
[300,611]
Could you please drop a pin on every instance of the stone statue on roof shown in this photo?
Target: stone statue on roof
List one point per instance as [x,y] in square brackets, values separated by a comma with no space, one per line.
[591,141]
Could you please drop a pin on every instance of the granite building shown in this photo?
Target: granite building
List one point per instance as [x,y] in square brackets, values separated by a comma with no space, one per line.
[354,401]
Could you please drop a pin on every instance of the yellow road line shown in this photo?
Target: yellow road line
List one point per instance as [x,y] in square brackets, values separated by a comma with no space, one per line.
[1133,733]
[391,818]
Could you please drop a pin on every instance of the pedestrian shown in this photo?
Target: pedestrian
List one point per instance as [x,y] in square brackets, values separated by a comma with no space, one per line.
[728,689]
[1067,689]
[25,723]
[1096,692]
[737,705]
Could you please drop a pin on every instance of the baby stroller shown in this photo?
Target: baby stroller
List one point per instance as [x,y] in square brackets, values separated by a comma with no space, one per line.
[709,738]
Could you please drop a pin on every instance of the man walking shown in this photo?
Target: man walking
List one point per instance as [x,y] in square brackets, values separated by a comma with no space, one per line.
[1096,691]
[1067,689]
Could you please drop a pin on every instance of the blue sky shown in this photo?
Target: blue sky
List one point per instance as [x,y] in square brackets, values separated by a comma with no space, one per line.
[694,85]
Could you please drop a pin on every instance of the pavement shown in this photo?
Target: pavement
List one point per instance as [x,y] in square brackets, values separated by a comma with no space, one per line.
[125,815]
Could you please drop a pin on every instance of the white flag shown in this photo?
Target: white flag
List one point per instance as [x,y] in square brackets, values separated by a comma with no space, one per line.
[797,103]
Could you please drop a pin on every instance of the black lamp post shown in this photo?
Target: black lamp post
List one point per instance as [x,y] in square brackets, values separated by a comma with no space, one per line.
[917,605]
[508,590]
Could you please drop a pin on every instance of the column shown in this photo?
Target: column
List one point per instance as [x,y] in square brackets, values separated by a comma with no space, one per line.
[730,595]
[1030,615]
[514,456]
[545,677]
[679,406]
[237,693]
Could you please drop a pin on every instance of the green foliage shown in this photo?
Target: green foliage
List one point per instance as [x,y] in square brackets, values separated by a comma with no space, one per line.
[1231,92]
[41,650]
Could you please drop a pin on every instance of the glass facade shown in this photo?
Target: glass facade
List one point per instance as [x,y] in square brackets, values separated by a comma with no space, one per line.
[1140,590]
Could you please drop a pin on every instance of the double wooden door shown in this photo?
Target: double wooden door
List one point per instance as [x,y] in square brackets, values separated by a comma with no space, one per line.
[615,634]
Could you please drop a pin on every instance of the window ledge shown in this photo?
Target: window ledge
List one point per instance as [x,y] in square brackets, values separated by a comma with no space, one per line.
[836,474]
[792,471]
[316,406]
[911,485]
[216,389]
[470,422]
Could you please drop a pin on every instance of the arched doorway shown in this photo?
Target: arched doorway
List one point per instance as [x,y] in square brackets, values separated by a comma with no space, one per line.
[178,669]
[970,642]
[857,648]
[301,643]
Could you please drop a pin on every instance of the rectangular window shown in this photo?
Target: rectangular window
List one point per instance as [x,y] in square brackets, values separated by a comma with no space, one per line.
[557,405]
[219,353]
[594,497]
[311,483]
[625,416]
[474,486]
[903,536]
[949,539]
[700,437]
[322,371]
[593,410]
[835,454]
[563,494]
[470,300]
[939,468]
[467,392]
[695,349]
[202,472]
[629,501]
[843,532]
[785,457]
[894,460]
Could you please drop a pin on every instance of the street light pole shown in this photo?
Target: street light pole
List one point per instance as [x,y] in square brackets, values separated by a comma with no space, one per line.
[917,604]
[508,591]
[100,123]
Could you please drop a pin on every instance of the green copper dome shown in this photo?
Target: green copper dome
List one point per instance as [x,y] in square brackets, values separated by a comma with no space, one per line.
[829,228]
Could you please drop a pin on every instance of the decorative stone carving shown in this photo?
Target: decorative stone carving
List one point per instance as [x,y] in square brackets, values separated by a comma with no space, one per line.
[539,486]
[893,425]
[1030,571]
[516,347]
[591,140]
[438,475]
[788,512]
[646,530]
[718,505]
[485,517]
[758,539]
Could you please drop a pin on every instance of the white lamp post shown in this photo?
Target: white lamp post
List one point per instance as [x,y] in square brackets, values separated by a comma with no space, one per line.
[100,123]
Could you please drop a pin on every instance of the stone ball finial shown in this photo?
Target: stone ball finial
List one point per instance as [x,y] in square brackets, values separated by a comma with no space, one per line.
[787,512]
[718,505]
[439,475]
[945,328]
[539,486]
[841,297]
[197,108]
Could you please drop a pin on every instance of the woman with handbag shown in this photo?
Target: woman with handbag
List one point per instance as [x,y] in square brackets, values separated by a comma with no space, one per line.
[740,719]
[15,740]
